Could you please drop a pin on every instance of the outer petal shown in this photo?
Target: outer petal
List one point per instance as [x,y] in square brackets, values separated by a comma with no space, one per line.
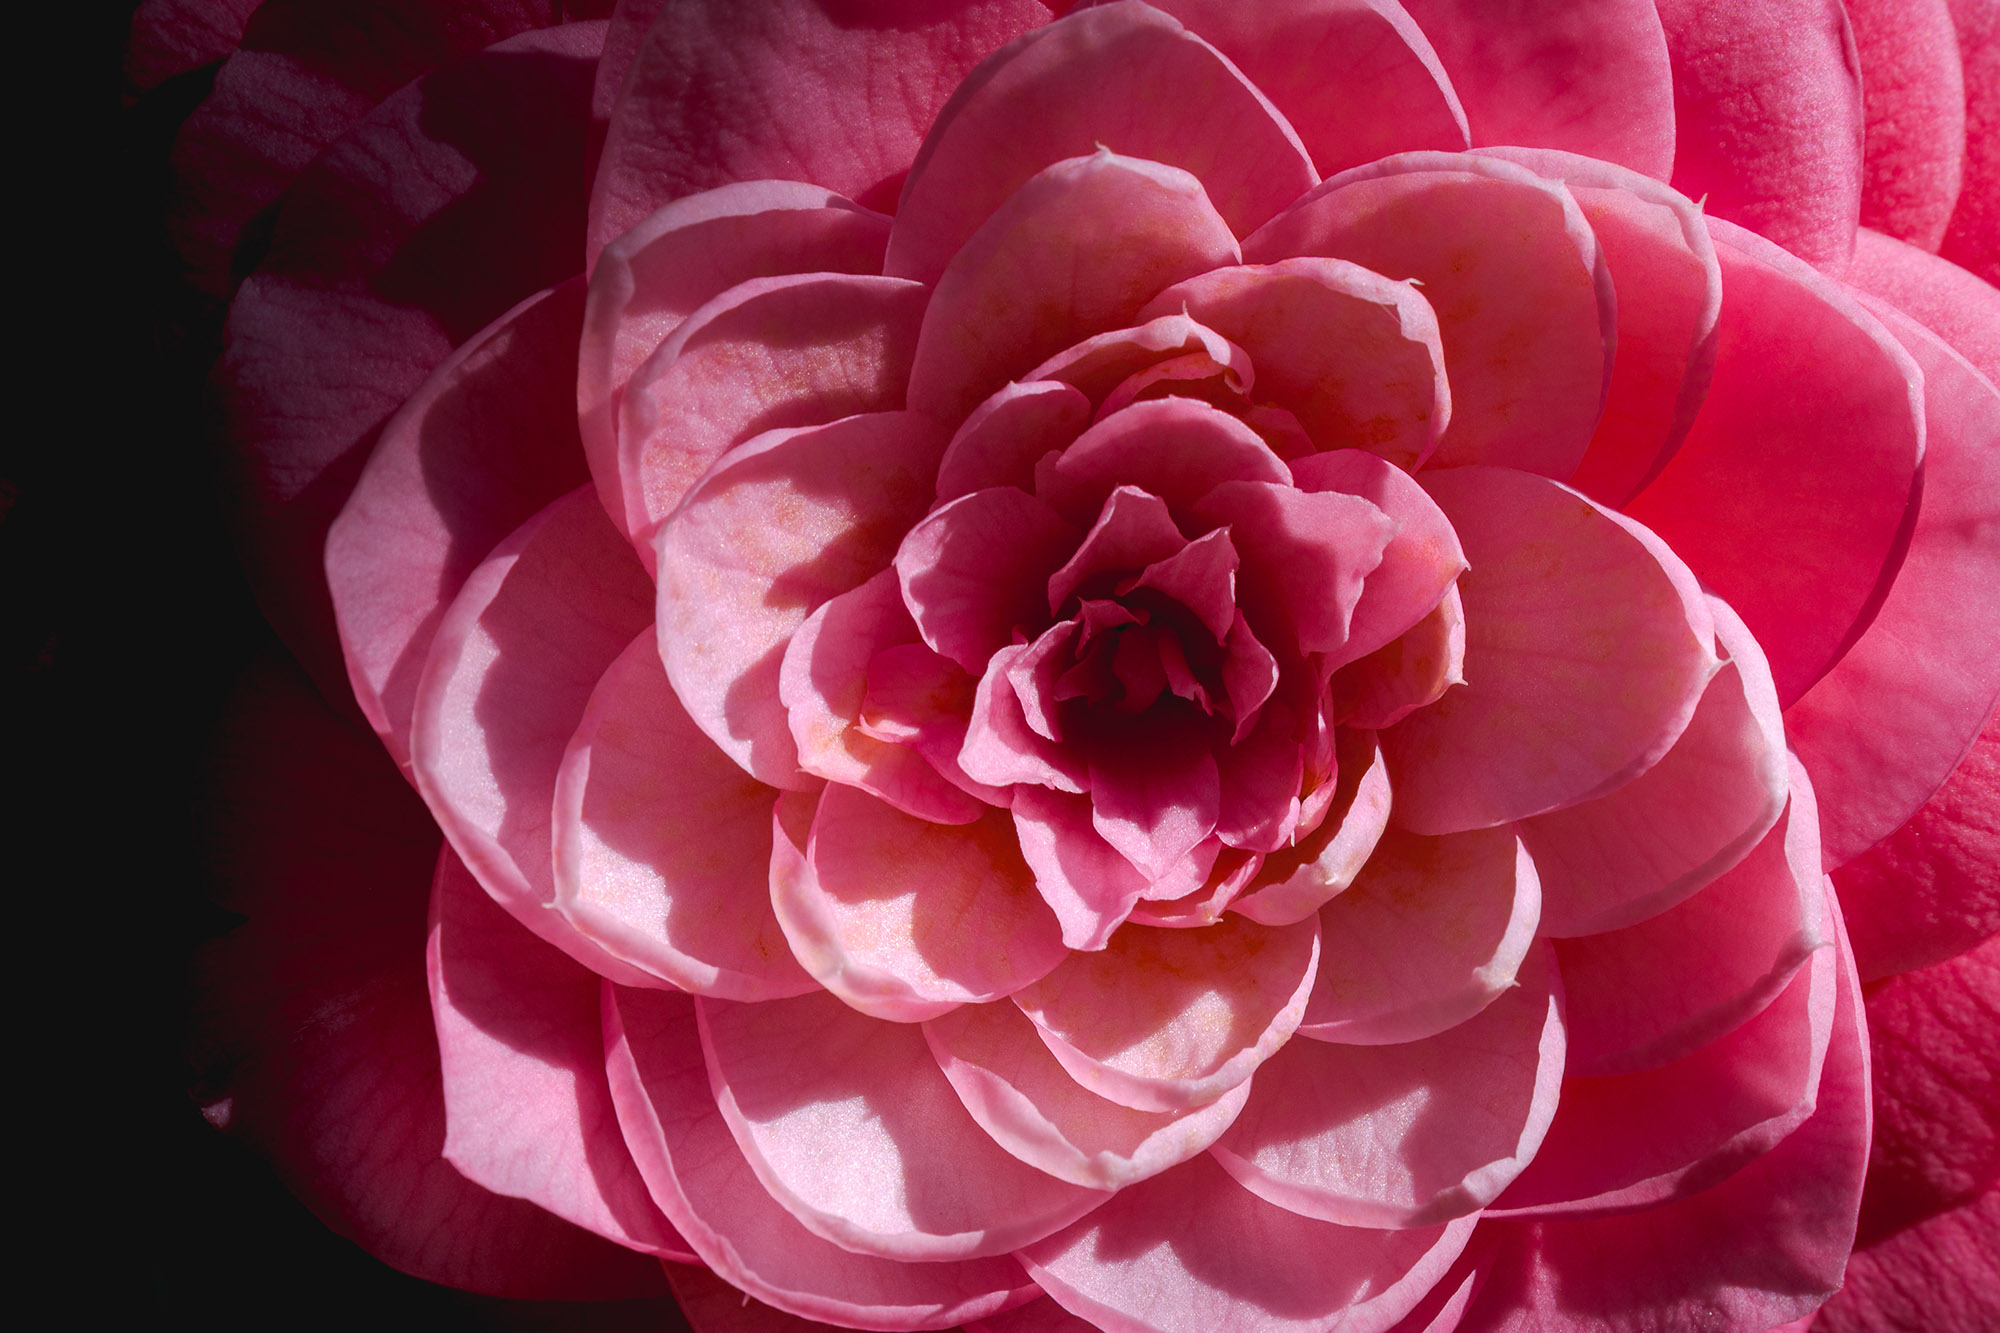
[1955,305]
[1972,237]
[1939,1274]
[914,1178]
[698,1176]
[1913,100]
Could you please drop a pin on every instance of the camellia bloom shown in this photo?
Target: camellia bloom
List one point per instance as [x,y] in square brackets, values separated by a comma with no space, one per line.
[1182,665]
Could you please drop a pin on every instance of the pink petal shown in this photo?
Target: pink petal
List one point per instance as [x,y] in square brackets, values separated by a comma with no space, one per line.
[1037,1316]
[1155,793]
[905,919]
[1642,1139]
[1767,98]
[1625,856]
[1357,79]
[1165,1020]
[1814,424]
[1192,1249]
[1931,889]
[711,1305]
[1296,882]
[1306,556]
[1354,355]
[527,1110]
[1407,1135]
[698,1176]
[1430,933]
[494,416]
[1002,745]
[1178,449]
[1913,102]
[1262,771]
[686,254]
[1885,727]
[370,281]
[975,569]
[1972,237]
[1088,81]
[1507,262]
[1592,81]
[662,844]
[1405,674]
[509,673]
[1937,293]
[1027,1102]
[1105,364]
[1132,531]
[172,37]
[914,1178]
[1587,648]
[774,530]
[1939,1274]
[1651,993]
[1095,238]
[1669,287]
[783,90]
[768,354]
[1006,435]
[1083,878]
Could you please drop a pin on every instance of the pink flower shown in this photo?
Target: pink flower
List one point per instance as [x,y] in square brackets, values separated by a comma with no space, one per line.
[1182,666]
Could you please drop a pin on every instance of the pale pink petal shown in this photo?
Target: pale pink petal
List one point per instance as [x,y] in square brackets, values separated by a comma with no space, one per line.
[527,1110]
[662,844]
[1650,993]
[1886,726]
[783,90]
[778,527]
[1813,424]
[912,1176]
[1164,1020]
[1972,237]
[698,1176]
[1939,1274]
[1077,250]
[1913,103]
[1625,856]
[1028,1103]
[1005,436]
[1587,649]
[1090,887]
[1767,100]
[1132,531]
[975,571]
[1178,449]
[1191,1249]
[1298,881]
[766,355]
[1508,263]
[1429,933]
[1950,302]
[1357,79]
[904,919]
[494,417]
[1407,673]
[1353,355]
[1591,80]
[685,255]
[1306,556]
[1407,1135]
[509,674]
[1090,81]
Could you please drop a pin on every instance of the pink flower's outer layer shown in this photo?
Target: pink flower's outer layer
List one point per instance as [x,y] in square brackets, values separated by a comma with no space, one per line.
[1036,795]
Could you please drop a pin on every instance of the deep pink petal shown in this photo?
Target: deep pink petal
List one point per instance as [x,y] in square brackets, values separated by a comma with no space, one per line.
[495,417]
[1298,881]
[1972,237]
[1953,304]
[770,354]
[1155,794]
[779,90]
[1406,1135]
[1357,79]
[914,1178]
[1306,556]
[1037,1316]
[1029,1104]
[1405,674]
[904,919]
[686,254]
[1913,103]
[1090,81]
[1083,878]
[1625,856]
[698,1176]
[778,527]
[1105,364]
[1077,250]
[1353,355]
[1429,934]
[1005,436]
[1886,726]
[1192,1249]
[711,1305]
[1178,449]
[171,37]
[1587,648]
[1592,80]
[1164,1020]
[509,674]
[1940,1275]
[975,571]
[1002,744]
[1509,265]
[1767,101]
[662,844]
[527,1110]
[1132,531]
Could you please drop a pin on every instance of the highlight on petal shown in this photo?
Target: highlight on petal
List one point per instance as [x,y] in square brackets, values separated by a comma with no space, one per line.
[914,1178]
[1587,649]
[1430,933]
[662,844]
[1406,1135]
